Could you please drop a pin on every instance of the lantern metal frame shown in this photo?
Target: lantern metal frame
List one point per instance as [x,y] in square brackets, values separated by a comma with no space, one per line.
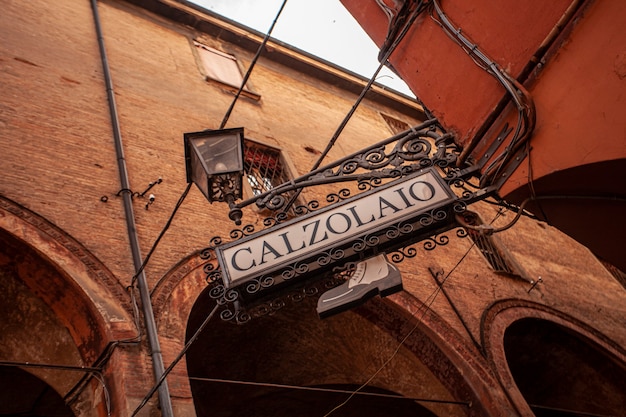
[210,172]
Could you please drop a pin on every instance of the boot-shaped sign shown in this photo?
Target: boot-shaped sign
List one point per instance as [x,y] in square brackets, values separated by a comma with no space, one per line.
[371,277]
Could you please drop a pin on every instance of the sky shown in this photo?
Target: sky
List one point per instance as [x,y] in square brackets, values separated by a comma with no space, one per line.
[323,28]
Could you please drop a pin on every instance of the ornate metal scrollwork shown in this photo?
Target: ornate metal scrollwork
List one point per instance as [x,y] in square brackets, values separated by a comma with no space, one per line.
[402,253]
[238,314]
[420,148]
[434,241]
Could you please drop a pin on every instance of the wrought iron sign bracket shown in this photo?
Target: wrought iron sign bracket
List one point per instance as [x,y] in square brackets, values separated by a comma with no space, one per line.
[491,150]
[511,166]
[407,190]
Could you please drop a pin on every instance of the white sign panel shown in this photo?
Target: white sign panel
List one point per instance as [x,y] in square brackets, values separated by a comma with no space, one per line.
[270,250]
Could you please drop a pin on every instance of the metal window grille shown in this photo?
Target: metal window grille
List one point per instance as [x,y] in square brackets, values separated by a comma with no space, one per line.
[485,244]
[264,167]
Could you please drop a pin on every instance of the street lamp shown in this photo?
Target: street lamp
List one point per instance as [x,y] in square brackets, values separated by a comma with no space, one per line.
[214,162]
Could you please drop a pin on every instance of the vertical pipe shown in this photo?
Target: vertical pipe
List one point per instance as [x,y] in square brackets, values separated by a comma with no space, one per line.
[146,303]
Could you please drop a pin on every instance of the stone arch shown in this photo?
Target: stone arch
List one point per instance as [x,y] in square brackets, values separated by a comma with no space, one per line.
[504,314]
[70,290]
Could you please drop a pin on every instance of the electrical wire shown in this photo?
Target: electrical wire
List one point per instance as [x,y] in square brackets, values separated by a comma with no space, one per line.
[383,61]
[89,371]
[488,229]
[158,239]
[175,361]
[107,397]
[512,207]
[70,368]
[566,412]
[177,206]
[132,287]
[179,203]
[167,226]
[426,307]
[521,97]
[252,64]
[329,390]
[222,124]
[100,363]
[389,12]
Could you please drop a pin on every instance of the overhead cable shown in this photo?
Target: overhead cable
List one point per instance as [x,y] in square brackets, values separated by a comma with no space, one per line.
[161,380]
[175,361]
[383,61]
[489,229]
[251,67]
[327,390]
[222,124]
[426,306]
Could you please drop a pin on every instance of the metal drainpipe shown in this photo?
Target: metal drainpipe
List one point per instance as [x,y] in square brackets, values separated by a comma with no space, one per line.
[146,303]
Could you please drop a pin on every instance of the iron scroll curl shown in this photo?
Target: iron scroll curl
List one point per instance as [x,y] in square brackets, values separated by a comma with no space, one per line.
[424,148]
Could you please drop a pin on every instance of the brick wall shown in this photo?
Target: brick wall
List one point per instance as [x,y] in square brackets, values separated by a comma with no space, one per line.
[59,160]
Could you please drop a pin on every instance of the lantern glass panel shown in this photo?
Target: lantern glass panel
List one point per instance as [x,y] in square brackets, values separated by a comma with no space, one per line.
[199,175]
[214,160]
[219,154]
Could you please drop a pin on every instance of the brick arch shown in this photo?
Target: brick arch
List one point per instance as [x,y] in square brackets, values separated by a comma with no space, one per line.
[455,362]
[181,284]
[453,359]
[450,356]
[78,288]
[172,300]
[502,314]
[292,346]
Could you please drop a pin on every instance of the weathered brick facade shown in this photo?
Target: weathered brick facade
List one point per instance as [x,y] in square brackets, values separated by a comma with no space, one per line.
[66,263]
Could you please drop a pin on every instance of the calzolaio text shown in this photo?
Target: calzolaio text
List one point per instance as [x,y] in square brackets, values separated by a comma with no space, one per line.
[272,249]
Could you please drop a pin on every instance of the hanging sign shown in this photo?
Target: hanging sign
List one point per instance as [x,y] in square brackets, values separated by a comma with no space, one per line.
[334,226]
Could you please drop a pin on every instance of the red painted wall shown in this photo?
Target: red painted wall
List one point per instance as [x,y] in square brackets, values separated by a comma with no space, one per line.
[442,75]
[571,56]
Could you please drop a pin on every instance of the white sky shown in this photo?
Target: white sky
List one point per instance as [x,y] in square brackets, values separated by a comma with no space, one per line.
[321,27]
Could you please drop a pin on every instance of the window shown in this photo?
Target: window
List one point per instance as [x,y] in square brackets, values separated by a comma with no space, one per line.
[222,68]
[484,242]
[395,125]
[265,168]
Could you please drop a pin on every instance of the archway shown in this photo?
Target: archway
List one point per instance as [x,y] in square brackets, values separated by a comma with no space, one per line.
[30,332]
[319,400]
[292,363]
[561,373]
[23,394]
[58,304]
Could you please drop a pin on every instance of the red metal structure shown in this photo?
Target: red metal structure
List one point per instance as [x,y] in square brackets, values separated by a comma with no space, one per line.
[553,72]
